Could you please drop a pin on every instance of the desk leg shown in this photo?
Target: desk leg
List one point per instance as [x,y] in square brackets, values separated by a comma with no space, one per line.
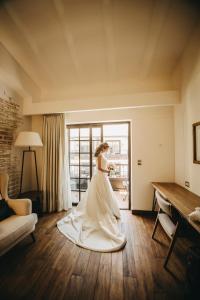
[154,200]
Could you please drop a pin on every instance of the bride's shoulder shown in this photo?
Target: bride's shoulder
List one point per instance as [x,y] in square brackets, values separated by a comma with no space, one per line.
[101,155]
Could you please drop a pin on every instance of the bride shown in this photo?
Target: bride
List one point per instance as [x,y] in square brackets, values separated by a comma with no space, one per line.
[94,223]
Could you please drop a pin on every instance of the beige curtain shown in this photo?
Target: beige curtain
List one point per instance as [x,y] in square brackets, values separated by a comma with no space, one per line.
[55,178]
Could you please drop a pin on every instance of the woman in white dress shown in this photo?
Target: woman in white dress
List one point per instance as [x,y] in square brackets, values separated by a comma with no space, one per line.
[95,223]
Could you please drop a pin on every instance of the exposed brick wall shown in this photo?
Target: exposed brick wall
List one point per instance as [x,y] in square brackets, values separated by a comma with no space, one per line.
[11,120]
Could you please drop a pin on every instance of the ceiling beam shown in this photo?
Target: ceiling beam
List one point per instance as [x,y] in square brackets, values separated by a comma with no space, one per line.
[99,103]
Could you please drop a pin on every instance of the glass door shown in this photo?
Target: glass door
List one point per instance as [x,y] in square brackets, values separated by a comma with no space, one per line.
[83,140]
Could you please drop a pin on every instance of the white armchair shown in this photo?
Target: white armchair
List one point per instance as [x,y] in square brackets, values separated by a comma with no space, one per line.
[16,227]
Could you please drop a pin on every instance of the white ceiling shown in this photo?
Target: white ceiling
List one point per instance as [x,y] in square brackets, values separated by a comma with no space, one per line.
[78,48]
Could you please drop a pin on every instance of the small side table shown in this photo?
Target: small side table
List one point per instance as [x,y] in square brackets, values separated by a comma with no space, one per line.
[36,199]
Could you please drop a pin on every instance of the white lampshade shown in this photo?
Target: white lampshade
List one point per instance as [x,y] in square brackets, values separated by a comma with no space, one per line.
[28,139]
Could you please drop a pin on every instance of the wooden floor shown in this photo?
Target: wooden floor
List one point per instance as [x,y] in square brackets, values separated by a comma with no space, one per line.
[54,268]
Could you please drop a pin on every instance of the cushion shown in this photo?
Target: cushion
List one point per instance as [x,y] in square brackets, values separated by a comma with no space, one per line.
[5,210]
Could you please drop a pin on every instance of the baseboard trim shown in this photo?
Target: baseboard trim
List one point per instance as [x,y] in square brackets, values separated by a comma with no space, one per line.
[143,212]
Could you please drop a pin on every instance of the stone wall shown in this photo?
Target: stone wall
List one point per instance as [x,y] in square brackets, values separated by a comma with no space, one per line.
[11,120]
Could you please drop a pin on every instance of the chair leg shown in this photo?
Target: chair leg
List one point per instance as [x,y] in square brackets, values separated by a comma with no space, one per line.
[155,227]
[154,200]
[33,237]
[171,246]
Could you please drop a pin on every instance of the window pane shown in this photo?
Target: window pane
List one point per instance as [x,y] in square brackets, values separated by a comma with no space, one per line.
[84,159]
[96,133]
[84,146]
[94,161]
[85,172]
[94,145]
[74,159]
[84,133]
[74,184]
[75,197]
[124,171]
[84,184]
[115,146]
[93,169]
[74,171]
[117,170]
[74,146]
[114,130]
[124,146]
[74,133]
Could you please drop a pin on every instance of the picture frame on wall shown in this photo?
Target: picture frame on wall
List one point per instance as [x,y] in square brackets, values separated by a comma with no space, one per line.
[196,143]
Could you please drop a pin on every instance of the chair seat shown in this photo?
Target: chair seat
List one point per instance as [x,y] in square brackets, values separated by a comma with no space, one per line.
[167,224]
[15,227]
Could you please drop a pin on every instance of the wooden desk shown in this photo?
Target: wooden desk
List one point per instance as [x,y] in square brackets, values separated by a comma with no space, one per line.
[183,200]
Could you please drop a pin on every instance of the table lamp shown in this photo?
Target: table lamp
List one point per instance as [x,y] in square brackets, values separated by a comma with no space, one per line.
[28,139]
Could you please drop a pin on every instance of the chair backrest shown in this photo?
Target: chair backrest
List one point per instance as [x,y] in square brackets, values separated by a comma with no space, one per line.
[163,204]
[4,185]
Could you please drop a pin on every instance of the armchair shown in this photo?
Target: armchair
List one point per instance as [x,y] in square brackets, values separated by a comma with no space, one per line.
[16,227]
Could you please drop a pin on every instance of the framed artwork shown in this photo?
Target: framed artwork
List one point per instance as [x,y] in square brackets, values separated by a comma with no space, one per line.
[196,143]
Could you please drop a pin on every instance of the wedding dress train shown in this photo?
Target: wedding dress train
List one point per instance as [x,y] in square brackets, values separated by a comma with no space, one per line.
[94,224]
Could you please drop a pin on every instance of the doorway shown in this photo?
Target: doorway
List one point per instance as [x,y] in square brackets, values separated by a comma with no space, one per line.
[83,140]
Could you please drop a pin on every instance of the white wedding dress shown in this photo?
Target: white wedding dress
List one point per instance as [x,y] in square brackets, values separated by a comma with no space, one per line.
[94,224]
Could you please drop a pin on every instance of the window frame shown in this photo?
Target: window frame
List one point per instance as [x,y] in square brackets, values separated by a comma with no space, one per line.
[90,140]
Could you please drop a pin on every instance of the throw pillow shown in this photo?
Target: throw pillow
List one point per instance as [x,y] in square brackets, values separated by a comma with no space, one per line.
[5,210]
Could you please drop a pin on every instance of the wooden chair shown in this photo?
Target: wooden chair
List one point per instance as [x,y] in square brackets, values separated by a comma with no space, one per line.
[164,217]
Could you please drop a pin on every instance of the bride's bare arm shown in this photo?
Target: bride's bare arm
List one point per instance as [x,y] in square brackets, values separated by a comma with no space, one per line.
[99,166]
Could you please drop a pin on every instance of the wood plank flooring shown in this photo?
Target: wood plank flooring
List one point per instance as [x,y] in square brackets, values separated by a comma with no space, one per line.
[54,268]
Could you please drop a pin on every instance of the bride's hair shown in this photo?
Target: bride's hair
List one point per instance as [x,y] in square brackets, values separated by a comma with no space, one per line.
[100,148]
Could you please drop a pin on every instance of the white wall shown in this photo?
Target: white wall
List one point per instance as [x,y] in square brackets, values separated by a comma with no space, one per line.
[152,136]
[187,113]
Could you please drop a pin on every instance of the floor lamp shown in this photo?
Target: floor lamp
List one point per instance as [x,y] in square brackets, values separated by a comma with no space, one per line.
[28,139]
